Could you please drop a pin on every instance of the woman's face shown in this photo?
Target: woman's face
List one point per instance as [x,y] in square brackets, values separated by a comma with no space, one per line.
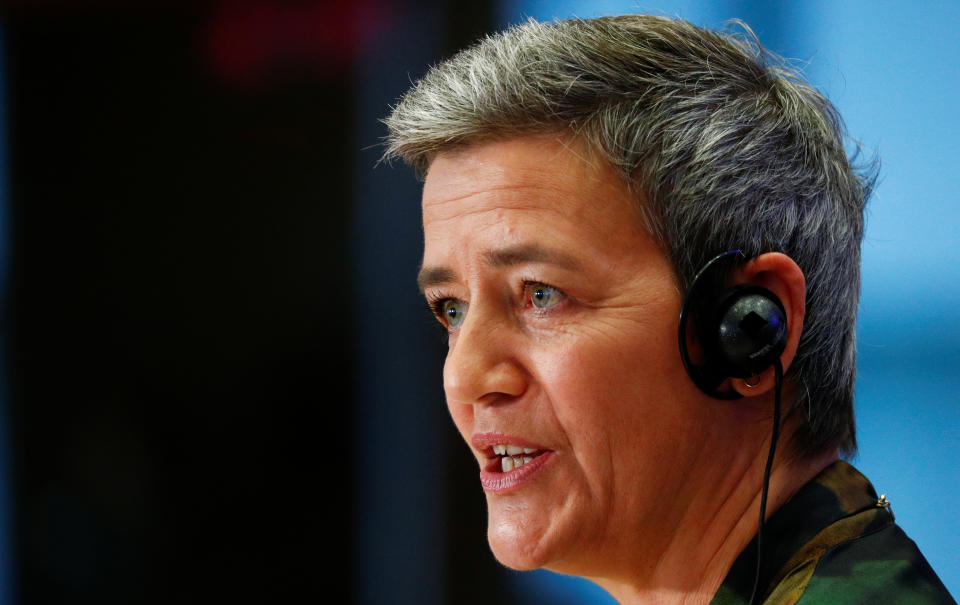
[562,317]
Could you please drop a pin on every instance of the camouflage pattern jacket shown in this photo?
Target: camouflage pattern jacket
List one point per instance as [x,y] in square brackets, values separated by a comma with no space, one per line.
[834,542]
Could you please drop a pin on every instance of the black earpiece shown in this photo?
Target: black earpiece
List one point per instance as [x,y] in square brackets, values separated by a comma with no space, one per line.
[742,330]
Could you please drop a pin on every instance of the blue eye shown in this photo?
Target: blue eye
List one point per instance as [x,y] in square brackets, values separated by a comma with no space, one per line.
[543,296]
[453,312]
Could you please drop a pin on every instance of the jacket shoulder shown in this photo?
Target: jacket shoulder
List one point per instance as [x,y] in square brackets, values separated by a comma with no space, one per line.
[882,567]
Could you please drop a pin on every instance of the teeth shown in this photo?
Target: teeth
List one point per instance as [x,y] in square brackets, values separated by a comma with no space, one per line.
[508,463]
[512,457]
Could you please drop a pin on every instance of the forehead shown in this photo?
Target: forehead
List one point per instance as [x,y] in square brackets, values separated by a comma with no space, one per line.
[549,188]
[501,171]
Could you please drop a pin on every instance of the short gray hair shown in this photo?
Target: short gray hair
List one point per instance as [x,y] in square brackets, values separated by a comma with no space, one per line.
[723,144]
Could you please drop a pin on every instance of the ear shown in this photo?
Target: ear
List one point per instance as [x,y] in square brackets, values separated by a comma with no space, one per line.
[781,275]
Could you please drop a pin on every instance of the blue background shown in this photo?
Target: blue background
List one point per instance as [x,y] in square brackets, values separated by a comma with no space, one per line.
[892,71]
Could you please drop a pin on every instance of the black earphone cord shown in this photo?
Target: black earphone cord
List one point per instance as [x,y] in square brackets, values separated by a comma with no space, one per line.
[778,369]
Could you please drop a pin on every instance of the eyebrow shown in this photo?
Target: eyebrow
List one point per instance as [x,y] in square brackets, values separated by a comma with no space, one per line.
[503,257]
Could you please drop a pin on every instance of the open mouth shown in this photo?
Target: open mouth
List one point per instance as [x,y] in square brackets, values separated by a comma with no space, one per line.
[505,458]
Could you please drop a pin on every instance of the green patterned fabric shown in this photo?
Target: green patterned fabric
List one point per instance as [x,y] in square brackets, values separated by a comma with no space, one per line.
[834,543]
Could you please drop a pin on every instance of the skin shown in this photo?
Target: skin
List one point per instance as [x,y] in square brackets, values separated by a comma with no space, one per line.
[653,487]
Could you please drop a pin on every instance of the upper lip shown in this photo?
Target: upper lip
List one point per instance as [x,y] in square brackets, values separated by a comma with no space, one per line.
[484,442]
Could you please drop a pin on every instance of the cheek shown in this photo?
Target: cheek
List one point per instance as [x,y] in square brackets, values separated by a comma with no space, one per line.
[629,365]
[617,393]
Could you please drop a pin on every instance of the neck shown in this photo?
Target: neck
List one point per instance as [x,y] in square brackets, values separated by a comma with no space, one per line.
[714,524]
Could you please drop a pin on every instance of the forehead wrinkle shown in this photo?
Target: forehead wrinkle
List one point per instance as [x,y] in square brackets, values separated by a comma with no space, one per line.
[529,253]
[492,215]
[509,186]
[512,197]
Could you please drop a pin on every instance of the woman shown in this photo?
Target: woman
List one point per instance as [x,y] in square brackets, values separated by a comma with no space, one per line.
[585,181]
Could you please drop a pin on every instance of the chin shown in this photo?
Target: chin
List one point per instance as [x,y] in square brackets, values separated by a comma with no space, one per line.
[518,543]
[510,556]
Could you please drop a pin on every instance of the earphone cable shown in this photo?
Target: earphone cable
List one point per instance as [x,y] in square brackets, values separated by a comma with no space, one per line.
[778,388]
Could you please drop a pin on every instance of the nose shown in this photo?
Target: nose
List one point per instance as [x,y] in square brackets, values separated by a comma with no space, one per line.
[483,363]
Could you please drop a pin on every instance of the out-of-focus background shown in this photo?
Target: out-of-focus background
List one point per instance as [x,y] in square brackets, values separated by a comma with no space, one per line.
[219,383]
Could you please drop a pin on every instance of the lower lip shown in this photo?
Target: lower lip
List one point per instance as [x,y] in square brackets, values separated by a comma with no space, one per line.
[498,482]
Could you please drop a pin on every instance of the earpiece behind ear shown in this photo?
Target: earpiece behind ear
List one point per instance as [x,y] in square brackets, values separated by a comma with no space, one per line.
[742,333]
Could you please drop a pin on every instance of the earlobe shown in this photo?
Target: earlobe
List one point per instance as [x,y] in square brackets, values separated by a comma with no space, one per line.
[754,385]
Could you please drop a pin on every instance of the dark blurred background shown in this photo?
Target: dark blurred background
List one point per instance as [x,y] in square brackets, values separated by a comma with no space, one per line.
[191,311]
[220,383]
